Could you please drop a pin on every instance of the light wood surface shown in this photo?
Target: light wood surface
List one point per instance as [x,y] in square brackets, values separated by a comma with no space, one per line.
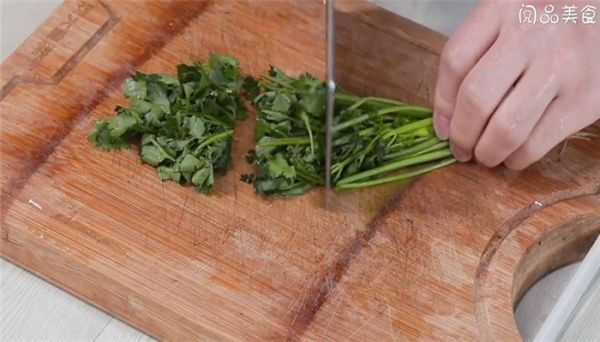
[180,265]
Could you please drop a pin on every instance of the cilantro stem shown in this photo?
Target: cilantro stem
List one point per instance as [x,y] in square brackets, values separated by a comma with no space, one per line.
[436,147]
[364,117]
[309,176]
[348,137]
[276,114]
[212,138]
[276,81]
[411,111]
[415,149]
[375,100]
[397,165]
[272,142]
[339,167]
[310,135]
[395,147]
[413,126]
[397,177]
[359,101]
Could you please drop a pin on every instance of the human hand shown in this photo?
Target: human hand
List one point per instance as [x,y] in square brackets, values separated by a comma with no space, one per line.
[509,92]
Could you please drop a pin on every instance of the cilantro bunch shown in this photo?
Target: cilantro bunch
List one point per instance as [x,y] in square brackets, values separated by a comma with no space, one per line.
[376,140]
[184,124]
[289,133]
[379,140]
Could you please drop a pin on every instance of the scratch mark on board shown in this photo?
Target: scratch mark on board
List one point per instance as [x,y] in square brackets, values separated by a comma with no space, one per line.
[182,211]
[335,310]
[389,314]
[35,204]
[361,327]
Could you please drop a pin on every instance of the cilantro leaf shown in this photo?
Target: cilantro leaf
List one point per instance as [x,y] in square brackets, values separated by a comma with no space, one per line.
[279,167]
[134,87]
[281,103]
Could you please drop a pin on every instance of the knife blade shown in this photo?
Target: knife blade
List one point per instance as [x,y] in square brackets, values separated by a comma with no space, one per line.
[330,17]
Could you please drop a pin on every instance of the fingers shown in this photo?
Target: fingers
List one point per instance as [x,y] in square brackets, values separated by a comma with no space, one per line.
[516,116]
[460,54]
[482,91]
[559,122]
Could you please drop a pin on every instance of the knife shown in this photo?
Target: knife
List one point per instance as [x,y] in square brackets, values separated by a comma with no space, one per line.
[330,17]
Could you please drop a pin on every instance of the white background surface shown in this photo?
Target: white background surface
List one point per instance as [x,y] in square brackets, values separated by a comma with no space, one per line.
[32,309]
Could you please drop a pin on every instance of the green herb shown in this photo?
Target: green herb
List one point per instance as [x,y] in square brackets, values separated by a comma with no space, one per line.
[289,130]
[376,140]
[184,124]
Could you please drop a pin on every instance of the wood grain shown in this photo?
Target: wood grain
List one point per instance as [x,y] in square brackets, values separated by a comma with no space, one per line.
[438,261]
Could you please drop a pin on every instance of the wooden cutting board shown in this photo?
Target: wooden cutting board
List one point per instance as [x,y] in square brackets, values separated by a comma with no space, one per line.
[445,259]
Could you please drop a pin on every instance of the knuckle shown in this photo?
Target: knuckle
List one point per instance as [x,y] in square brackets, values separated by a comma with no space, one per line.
[452,59]
[471,99]
[568,55]
[450,65]
[485,156]
[505,133]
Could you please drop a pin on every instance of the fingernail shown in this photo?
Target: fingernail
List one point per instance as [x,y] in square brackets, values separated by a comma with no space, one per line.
[460,154]
[441,124]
